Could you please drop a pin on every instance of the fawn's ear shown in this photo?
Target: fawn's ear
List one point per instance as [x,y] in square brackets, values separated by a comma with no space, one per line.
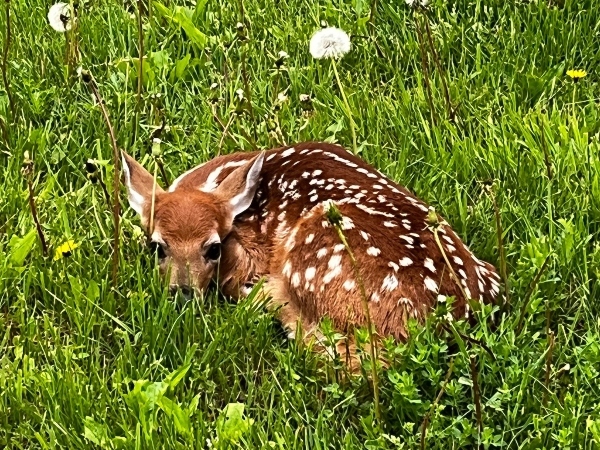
[240,185]
[139,184]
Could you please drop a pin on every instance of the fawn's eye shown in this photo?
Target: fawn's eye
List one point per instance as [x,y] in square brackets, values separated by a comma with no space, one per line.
[214,252]
[157,249]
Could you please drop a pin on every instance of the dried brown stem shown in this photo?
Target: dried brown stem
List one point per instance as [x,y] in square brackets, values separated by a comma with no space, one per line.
[372,14]
[225,133]
[425,68]
[163,172]
[116,204]
[532,287]
[471,340]
[104,190]
[501,251]
[476,393]
[28,172]
[549,355]
[434,404]
[248,93]
[440,67]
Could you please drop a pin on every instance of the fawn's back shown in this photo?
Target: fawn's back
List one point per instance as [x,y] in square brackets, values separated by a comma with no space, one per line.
[282,233]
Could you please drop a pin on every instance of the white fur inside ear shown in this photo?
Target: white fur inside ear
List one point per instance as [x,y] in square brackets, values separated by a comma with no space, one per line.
[156,237]
[242,201]
[136,200]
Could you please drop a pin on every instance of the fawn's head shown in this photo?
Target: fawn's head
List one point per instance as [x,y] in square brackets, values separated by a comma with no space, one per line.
[187,227]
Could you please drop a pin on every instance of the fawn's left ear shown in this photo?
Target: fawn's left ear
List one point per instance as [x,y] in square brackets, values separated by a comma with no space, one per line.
[140,184]
[239,187]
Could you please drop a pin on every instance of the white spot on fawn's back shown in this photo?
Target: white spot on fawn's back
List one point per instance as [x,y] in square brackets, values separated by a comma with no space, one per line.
[287,269]
[373,251]
[405,262]
[431,284]
[295,279]
[429,264]
[390,283]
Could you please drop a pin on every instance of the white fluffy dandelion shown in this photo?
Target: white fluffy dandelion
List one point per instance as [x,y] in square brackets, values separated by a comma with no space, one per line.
[59,17]
[417,3]
[329,43]
[332,43]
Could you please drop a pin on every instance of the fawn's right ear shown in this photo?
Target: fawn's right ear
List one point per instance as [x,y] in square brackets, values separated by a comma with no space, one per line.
[139,184]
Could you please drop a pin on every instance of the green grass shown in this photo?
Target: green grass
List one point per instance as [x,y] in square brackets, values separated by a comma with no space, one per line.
[84,366]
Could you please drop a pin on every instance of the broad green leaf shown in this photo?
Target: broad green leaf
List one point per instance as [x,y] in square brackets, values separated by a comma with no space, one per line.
[95,432]
[231,425]
[181,65]
[182,16]
[21,247]
[93,291]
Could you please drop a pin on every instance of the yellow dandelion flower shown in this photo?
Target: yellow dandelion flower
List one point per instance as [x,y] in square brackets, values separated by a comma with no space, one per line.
[576,75]
[65,249]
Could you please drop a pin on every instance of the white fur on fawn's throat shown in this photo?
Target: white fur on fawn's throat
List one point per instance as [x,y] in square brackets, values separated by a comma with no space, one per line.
[268,214]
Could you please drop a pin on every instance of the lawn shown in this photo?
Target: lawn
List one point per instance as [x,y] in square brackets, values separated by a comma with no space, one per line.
[467,103]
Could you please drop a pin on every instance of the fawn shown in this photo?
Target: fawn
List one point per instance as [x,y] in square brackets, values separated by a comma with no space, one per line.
[244,216]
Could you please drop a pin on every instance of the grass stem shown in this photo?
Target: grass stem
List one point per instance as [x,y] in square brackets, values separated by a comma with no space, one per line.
[425,422]
[334,216]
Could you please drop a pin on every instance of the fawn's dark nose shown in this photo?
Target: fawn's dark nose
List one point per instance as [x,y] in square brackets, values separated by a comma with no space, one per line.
[186,291]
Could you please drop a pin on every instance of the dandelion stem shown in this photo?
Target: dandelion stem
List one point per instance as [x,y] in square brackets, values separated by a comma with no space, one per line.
[346,104]
[140,52]
[545,150]
[7,41]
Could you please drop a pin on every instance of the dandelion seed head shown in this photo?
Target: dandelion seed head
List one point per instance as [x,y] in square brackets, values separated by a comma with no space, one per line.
[417,3]
[329,43]
[59,17]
